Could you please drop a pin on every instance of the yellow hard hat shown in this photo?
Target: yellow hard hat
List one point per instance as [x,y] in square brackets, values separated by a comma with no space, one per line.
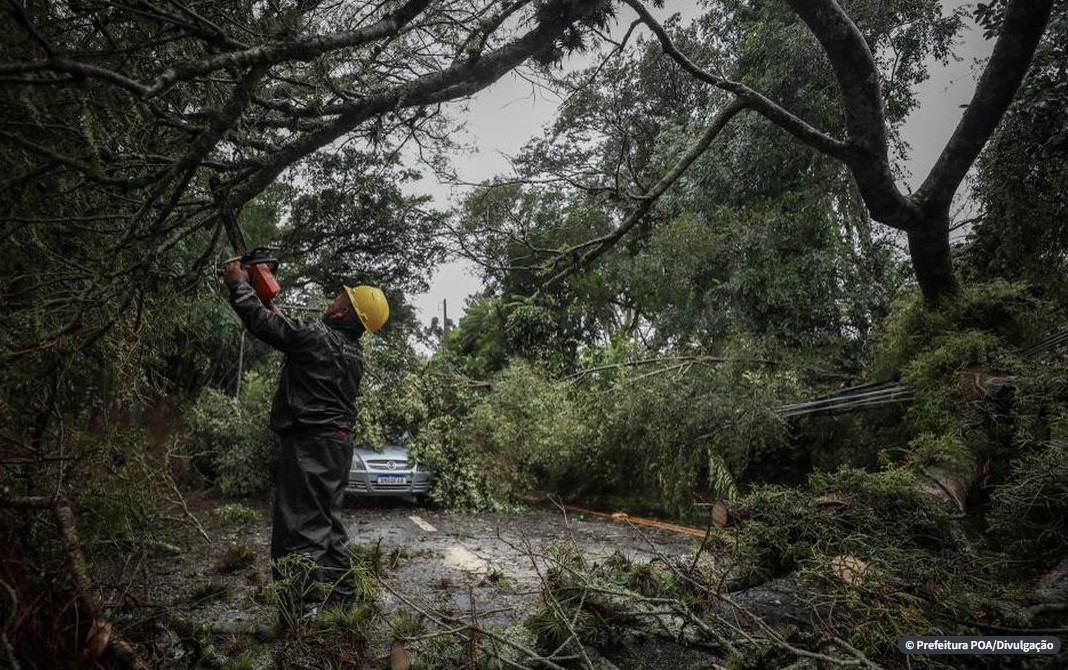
[370,305]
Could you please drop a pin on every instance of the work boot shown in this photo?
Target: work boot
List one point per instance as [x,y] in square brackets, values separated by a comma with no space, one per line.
[340,598]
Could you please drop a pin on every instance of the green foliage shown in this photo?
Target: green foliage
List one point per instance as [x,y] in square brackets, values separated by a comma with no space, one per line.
[760,236]
[292,587]
[1029,513]
[394,393]
[425,405]
[947,355]
[866,541]
[478,344]
[463,481]
[208,591]
[229,440]
[439,652]
[1021,188]
[672,429]
[119,490]
[501,651]
[335,636]
[237,557]
[236,513]
[495,331]
[405,624]
[350,222]
[875,516]
[246,661]
[528,429]
[340,634]
[367,568]
[961,332]
[934,449]
[658,430]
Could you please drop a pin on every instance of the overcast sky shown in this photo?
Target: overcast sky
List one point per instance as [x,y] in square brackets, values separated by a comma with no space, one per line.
[503,117]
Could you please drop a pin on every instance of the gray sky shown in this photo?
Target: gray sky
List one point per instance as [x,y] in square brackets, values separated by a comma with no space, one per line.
[502,118]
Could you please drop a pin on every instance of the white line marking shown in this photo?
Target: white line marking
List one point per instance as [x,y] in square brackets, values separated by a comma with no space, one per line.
[422,524]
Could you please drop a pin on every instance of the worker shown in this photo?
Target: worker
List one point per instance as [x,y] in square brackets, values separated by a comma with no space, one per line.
[312,417]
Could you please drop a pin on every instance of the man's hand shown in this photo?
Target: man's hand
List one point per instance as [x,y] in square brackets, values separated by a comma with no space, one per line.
[233,272]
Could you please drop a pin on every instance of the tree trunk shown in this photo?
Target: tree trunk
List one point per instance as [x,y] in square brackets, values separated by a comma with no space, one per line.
[931,260]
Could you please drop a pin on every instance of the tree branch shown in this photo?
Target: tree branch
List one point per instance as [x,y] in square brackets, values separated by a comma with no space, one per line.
[597,247]
[64,64]
[859,82]
[1025,21]
[755,100]
[453,83]
[304,50]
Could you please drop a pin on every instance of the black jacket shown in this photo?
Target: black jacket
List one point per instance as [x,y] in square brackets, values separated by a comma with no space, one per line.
[322,368]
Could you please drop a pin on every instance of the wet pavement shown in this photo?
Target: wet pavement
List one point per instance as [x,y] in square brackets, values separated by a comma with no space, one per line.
[456,569]
[489,565]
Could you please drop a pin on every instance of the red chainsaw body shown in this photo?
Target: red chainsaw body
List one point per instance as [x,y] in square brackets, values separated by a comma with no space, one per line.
[263,281]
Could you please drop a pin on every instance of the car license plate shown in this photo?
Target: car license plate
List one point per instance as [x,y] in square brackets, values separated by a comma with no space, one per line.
[393,479]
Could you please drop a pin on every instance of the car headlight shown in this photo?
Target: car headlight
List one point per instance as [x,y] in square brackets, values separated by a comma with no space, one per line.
[419,467]
[357,463]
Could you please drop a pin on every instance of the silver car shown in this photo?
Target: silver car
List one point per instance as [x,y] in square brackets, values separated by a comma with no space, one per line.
[387,473]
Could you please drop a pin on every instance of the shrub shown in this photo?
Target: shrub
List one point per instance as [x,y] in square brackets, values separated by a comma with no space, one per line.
[1029,513]
[657,433]
[229,439]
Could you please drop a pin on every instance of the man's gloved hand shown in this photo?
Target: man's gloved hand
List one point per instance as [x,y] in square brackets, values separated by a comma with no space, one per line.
[234,273]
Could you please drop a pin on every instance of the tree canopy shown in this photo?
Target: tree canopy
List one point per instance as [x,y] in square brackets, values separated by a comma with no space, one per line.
[697,296]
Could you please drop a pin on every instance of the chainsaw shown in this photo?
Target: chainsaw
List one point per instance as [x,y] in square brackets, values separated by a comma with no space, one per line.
[257,262]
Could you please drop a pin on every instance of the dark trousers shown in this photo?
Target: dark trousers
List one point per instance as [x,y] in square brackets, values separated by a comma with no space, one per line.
[313,469]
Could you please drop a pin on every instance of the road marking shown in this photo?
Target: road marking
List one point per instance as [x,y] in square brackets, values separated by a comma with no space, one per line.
[461,558]
[422,524]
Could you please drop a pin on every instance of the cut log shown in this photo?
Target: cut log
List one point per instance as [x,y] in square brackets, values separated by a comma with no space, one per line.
[949,483]
[849,569]
[976,383]
[726,514]
[398,657]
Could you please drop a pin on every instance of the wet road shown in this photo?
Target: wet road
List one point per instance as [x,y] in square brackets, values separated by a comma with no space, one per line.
[489,565]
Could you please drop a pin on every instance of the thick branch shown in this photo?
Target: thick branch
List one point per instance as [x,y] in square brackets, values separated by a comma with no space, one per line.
[859,81]
[756,101]
[297,50]
[453,83]
[855,69]
[304,50]
[1025,21]
[64,64]
[101,636]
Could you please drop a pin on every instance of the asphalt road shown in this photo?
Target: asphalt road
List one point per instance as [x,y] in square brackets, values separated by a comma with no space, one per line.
[458,569]
[491,564]
[488,568]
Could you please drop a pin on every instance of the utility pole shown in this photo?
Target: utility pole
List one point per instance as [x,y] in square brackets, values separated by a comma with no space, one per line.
[240,365]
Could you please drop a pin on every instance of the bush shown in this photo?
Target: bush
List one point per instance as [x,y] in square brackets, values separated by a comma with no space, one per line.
[230,441]
[528,429]
[1029,513]
[659,433]
[891,558]
[464,482]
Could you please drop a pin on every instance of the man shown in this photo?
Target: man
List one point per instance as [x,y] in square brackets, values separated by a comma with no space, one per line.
[312,416]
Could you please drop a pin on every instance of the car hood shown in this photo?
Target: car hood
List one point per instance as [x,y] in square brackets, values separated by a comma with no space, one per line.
[391,452]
